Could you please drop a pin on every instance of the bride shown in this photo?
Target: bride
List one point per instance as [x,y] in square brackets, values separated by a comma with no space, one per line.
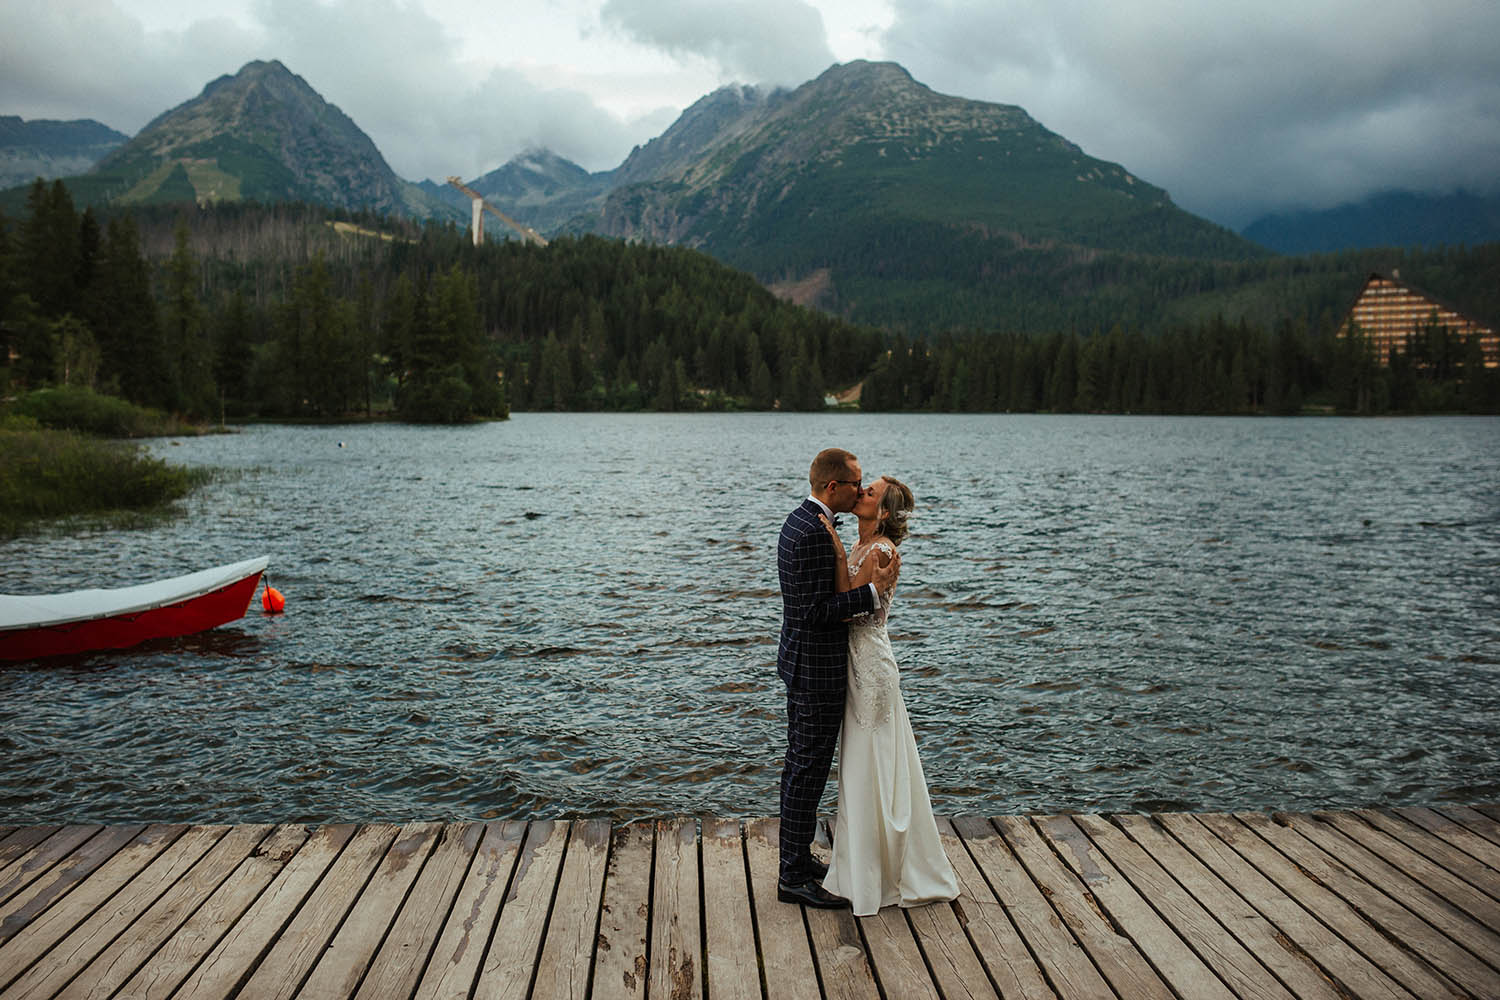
[886,849]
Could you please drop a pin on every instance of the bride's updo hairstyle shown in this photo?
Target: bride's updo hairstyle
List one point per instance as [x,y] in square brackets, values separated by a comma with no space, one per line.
[896,505]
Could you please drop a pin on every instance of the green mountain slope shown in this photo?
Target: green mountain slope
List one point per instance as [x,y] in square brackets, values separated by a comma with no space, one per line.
[1389,219]
[891,199]
[262,134]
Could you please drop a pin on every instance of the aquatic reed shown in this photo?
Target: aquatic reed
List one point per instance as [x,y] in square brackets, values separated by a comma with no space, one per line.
[50,473]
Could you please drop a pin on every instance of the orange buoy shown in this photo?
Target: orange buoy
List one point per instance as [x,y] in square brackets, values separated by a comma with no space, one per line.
[272,601]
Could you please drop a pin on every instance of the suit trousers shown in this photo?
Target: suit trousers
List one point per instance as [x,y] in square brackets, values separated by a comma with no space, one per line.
[813,720]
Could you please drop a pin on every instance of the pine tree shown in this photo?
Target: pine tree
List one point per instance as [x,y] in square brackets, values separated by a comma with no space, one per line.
[50,248]
[123,314]
[191,374]
[232,357]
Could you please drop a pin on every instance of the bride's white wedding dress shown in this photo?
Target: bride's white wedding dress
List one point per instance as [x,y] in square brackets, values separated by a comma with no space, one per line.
[886,849]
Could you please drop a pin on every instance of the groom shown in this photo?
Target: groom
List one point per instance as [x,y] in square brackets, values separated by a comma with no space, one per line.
[813,659]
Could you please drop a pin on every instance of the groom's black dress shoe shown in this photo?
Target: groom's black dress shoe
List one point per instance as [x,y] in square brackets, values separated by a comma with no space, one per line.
[810,893]
[819,869]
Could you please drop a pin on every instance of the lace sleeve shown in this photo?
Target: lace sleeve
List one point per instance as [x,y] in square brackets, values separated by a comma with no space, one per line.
[857,560]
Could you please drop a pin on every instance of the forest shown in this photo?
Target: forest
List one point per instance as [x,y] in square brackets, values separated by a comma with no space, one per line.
[293,311]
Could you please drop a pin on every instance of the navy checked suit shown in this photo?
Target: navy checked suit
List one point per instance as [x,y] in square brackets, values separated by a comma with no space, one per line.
[812,658]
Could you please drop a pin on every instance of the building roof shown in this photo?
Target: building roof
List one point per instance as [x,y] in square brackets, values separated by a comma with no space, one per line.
[1394,277]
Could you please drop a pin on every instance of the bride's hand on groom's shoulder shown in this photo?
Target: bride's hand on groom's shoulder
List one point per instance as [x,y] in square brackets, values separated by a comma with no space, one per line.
[838,543]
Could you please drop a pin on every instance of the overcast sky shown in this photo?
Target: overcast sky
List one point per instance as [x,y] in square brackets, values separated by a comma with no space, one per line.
[1235,107]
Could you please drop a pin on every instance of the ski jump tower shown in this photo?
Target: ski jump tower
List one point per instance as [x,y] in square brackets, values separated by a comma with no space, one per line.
[480,205]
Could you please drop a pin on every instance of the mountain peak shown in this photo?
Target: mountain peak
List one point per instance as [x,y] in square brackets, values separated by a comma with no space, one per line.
[864,146]
[263,133]
[257,71]
[864,72]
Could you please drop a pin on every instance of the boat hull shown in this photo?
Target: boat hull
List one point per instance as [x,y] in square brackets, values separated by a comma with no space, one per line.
[193,614]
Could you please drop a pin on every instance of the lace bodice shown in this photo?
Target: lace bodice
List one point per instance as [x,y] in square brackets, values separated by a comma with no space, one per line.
[874,681]
[857,557]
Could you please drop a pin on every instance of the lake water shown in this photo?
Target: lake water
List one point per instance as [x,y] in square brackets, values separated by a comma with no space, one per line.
[575,614]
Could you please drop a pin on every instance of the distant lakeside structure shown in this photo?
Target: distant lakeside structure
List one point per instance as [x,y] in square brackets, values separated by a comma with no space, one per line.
[1390,315]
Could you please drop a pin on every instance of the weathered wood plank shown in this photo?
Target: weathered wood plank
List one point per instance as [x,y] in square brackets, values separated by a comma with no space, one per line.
[1365,903]
[786,951]
[894,955]
[35,938]
[1067,965]
[71,954]
[728,930]
[297,948]
[1172,959]
[456,959]
[1308,889]
[259,929]
[395,970]
[843,966]
[33,863]
[1455,833]
[837,943]
[1279,953]
[1429,860]
[999,948]
[511,962]
[1408,911]
[1118,958]
[676,935]
[1232,855]
[60,879]
[145,934]
[624,917]
[1213,947]
[1486,827]
[955,968]
[20,841]
[567,957]
[341,966]
[206,927]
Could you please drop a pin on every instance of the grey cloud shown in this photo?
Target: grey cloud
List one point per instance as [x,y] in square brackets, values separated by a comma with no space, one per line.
[400,79]
[1235,108]
[88,59]
[774,41]
[395,70]
[517,115]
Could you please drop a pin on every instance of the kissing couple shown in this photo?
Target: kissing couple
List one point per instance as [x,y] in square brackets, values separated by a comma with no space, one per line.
[841,677]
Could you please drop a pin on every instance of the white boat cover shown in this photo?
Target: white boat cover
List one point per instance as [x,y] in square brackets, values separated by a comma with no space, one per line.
[18,611]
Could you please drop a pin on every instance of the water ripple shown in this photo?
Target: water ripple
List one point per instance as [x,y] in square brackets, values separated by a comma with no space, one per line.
[575,615]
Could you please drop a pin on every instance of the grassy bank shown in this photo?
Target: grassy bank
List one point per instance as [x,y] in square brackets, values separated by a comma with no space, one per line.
[58,460]
[75,409]
[50,474]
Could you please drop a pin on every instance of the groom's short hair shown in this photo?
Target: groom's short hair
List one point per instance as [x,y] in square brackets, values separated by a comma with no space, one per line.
[831,464]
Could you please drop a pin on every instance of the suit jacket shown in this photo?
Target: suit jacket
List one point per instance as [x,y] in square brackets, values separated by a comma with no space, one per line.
[813,653]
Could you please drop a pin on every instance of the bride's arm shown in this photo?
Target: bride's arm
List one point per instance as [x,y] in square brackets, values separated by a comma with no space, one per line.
[841,581]
[881,557]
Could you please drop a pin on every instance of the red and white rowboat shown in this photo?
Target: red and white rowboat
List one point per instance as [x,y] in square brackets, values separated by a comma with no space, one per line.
[83,620]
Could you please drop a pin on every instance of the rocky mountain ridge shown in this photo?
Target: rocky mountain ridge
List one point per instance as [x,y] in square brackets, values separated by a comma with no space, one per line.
[262,133]
[46,148]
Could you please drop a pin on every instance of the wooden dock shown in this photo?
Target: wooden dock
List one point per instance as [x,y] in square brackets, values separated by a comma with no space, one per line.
[1372,903]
